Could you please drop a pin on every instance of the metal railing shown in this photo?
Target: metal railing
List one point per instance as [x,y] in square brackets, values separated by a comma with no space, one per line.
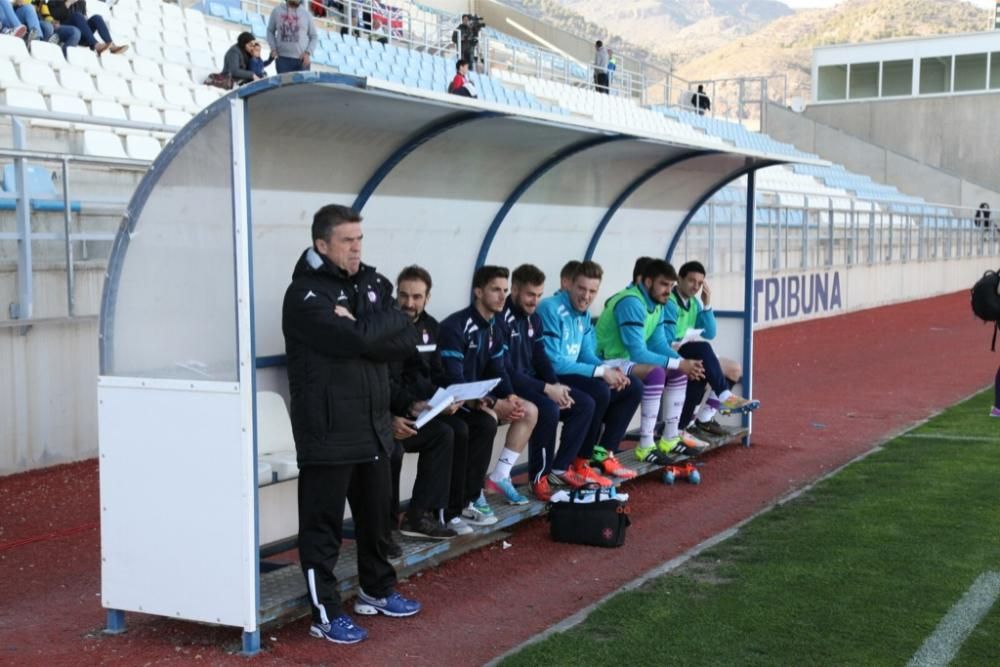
[26,217]
[813,237]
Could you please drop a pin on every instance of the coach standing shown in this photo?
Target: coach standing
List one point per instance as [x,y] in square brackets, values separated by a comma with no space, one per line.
[341,329]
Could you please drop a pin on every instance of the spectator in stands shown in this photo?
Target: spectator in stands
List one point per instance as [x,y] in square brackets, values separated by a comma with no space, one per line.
[696,313]
[421,376]
[638,325]
[600,67]
[570,346]
[341,329]
[52,31]
[12,25]
[291,35]
[700,101]
[534,379]
[473,348]
[612,67]
[462,85]
[983,216]
[465,38]
[74,13]
[258,64]
[237,61]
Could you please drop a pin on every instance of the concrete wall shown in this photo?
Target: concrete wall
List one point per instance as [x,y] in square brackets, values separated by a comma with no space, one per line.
[912,175]
[955,133]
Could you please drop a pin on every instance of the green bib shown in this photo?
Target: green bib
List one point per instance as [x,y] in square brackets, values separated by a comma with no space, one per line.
[609,338]
[686,319]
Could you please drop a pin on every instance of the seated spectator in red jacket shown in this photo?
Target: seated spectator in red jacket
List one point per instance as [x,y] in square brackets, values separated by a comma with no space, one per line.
[74,13]
[462,84]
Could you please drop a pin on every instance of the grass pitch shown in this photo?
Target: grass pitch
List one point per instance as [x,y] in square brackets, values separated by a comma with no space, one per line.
[858,571]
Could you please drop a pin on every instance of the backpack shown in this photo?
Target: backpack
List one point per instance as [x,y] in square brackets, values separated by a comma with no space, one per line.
[985,299]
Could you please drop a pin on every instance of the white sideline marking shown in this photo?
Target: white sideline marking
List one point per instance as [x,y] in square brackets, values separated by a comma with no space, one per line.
[949,436]
[943,644]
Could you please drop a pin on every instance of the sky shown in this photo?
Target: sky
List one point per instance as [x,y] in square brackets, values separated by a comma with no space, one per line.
[803,4]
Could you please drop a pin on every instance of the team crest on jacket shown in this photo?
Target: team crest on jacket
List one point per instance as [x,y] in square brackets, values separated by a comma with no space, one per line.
[426,337]
[372,296]
[531,331]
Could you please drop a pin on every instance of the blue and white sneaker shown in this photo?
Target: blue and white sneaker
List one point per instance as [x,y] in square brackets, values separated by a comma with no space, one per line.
[479,513]
[393,604]
[506,487]
[340,630]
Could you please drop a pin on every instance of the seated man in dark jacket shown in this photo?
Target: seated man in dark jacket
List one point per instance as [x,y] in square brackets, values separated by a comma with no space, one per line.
[472,431]
[342,328]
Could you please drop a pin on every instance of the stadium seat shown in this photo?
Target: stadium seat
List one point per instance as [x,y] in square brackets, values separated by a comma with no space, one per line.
[141,113]
[204,60]
[179,96]
[141,147]
[108,109]
[175,39]
[148,50]
[148,93]
[99,143]
[68,104]
[194,17]
[12,48]
[275,443]
[79,82]
[205,95]
[39,181]
[22,98]
[48,53]
[174,73]
[117,65]
[176,117]
[84,59]
[147,69]
[114,87]
[40,76]
[9,77]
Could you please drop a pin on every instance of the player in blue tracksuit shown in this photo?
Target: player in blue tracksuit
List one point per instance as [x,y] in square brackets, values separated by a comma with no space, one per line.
[473,348]
[534,379]
[570,346]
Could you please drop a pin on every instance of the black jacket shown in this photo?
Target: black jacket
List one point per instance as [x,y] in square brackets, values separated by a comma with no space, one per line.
[420,375]
[338,369]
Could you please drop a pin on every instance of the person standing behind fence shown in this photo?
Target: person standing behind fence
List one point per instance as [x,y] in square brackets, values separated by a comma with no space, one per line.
[291,35]
[600,67]
[700,101]
[983,216]
[341,329]
[612,67]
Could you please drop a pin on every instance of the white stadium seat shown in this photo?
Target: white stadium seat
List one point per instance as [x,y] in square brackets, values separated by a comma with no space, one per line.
[175,73]
[141,113]
[78,81]
[99,143]
[205,95]
[68,104]
[179,96]
[117,64]
[175,39]
[149,50]
[151,34]
[85,59]
[275,443]
[9,77]
[147,69]
[13,48]
[22,98]
[141,147]
[176,117]
[149,93]
[176,55]
[48,53]
[40,76]
[114,87]
[194,17]
[205,60]
[108,109]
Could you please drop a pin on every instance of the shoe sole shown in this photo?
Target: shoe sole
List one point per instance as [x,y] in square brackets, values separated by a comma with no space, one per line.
[413,533]
[739,411]
[366,609]
[318,634]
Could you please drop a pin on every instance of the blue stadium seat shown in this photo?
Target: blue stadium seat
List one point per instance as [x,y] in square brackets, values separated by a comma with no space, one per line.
[41,191]
[218,10]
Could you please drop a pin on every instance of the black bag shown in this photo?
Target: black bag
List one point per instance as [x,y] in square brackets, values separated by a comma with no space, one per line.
[599,523]
[986,301]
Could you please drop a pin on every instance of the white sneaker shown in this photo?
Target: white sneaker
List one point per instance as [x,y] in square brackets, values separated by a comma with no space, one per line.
[459,526]
[479,513]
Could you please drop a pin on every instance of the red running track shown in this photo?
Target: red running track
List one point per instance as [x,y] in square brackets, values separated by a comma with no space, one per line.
[831,389]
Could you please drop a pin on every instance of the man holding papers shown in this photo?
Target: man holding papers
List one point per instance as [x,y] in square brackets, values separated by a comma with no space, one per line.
[415,384]
[473,349]
[695,313]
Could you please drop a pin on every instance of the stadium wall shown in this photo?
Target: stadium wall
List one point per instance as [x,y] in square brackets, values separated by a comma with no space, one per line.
[902,155]
[949,132]
[48,399]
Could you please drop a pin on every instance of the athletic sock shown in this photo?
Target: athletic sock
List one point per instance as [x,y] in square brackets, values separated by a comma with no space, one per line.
[673,403]
[724,396]
[505,463]
[709,409]
[652,391]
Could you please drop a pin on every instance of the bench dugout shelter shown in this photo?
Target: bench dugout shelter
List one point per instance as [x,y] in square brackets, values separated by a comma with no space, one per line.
[191,314]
